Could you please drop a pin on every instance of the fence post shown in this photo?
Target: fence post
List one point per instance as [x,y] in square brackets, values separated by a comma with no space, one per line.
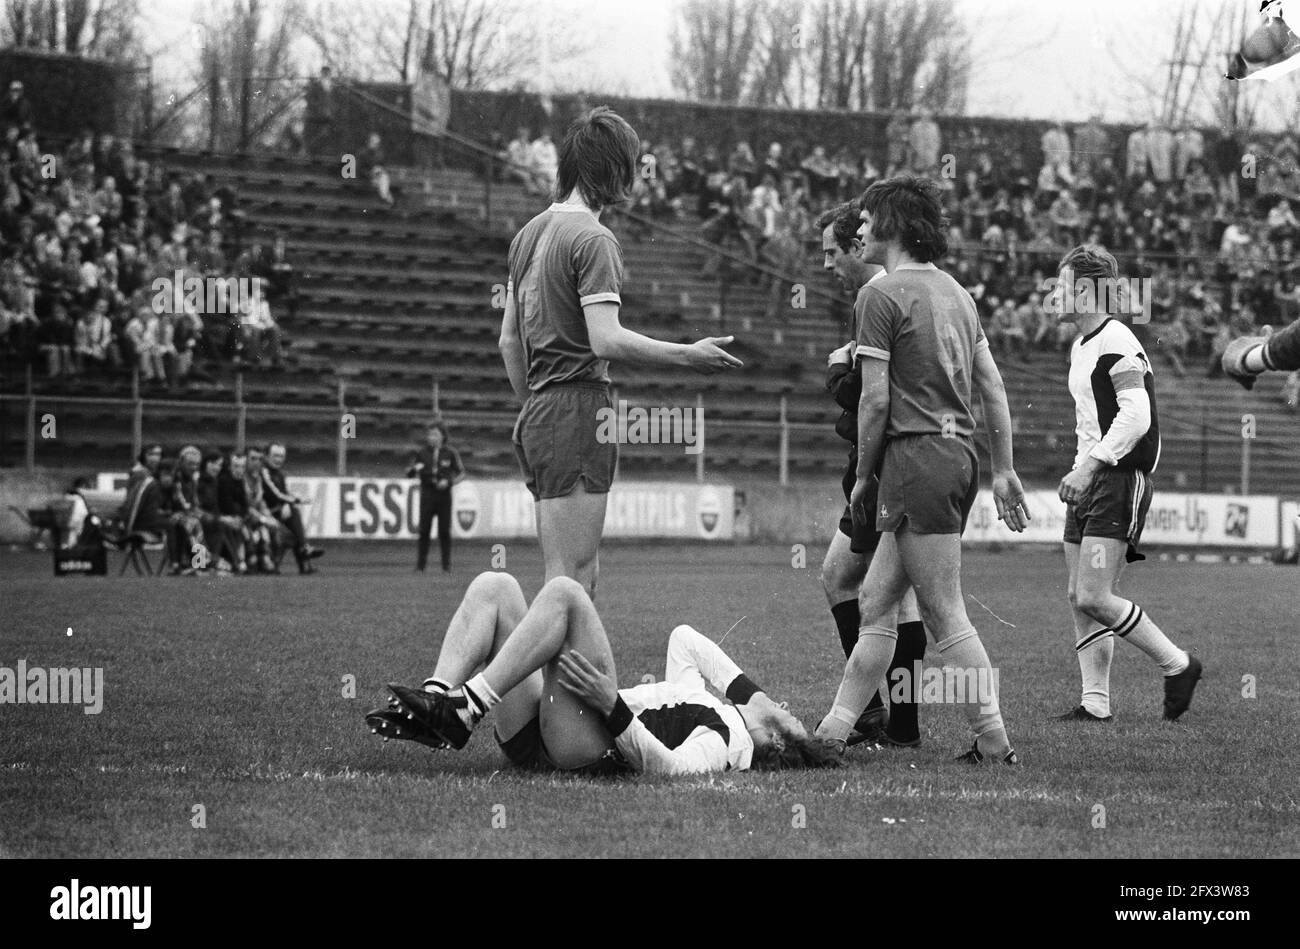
[31,423]
[137,414]
[699,431]
[1205,451]
[436,410]
[487,190]
[342,465]
[785,446]
[241,418]
[1245,462]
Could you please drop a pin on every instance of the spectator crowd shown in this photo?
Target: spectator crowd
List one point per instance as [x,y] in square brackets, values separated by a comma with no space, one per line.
[1212,224]
[84,233]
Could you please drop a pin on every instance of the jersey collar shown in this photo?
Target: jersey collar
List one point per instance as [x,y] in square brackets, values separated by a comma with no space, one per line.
[1085,339]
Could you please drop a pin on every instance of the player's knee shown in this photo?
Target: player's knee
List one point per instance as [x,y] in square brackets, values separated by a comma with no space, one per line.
[562,590]
[493,584]
[1093,601]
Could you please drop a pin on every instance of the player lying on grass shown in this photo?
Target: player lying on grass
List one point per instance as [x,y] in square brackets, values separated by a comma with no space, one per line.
[852,546]
[924,356]
[1108,491]
[1248,356]
[548,671]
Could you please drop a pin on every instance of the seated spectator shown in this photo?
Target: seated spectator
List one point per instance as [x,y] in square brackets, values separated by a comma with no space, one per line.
[261,334]
[56,337]
[94,347]
[190,552]
[266,534]
[284,506]
[16,111]
[232,498]
[222,533]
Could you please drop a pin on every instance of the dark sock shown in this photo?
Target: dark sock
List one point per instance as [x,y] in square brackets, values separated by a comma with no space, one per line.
[910,649]
[847,621]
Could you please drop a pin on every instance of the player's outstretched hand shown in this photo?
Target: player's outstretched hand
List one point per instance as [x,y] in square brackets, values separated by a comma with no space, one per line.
[586,682]
[1234,359]
[1009,497]
[708,356]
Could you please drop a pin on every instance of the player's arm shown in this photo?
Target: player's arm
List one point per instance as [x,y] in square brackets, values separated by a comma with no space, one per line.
[1248,356]
[692,656]
[1008,493]
[699,754]
[598,264]
[611,340]
[512,348]
[1132,421]
[645,752]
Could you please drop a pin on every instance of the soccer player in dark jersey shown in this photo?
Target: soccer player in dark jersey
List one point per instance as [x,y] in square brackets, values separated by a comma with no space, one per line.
[561,330]
[1108,491]
[851,547]
[923,352]
[1248,356]
[438,467]
[549,671]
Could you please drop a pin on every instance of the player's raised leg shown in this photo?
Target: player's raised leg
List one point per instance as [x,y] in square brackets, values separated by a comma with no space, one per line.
[1098,566]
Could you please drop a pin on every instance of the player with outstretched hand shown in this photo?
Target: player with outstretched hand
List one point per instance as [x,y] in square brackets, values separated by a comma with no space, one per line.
[548,671]
[1108,490]
[923,356]
[1247,357]
[559,333]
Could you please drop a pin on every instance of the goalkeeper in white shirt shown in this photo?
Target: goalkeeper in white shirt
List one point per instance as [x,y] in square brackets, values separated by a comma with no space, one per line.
[548,671]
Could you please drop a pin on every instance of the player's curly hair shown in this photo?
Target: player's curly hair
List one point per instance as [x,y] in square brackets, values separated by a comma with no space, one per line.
[796,751]
[598,157]
[847,219]
[908,209]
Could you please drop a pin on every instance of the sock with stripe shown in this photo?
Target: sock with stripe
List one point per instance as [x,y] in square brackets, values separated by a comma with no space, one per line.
[847,620]
[862,675]
[1094,650]
[481,696]
[964,652]
[909,650]
[434,684]
[1138,629]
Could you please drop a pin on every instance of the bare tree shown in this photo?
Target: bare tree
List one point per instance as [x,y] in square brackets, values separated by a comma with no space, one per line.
[247,70]
[716,49]
[106,28]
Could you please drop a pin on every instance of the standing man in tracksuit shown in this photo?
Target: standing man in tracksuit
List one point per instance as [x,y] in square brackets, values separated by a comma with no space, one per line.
[438,467]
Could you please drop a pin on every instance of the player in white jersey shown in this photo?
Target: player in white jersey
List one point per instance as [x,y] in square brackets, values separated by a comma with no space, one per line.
[1108,490]
[549,672]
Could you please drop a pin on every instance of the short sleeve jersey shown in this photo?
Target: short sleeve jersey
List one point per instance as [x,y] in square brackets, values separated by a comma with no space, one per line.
[925,324]
[562,260]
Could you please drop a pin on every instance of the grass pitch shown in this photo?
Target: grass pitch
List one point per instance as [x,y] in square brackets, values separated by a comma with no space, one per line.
[229,694]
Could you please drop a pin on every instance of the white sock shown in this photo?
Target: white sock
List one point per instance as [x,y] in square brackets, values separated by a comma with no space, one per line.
[1137,629]
[838,724]
[481,698]
[1094,652]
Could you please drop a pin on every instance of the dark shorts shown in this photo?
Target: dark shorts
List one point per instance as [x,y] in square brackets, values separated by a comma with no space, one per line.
[526,750]
[1114,507]
[866,539]
[929,481]
[555,440]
